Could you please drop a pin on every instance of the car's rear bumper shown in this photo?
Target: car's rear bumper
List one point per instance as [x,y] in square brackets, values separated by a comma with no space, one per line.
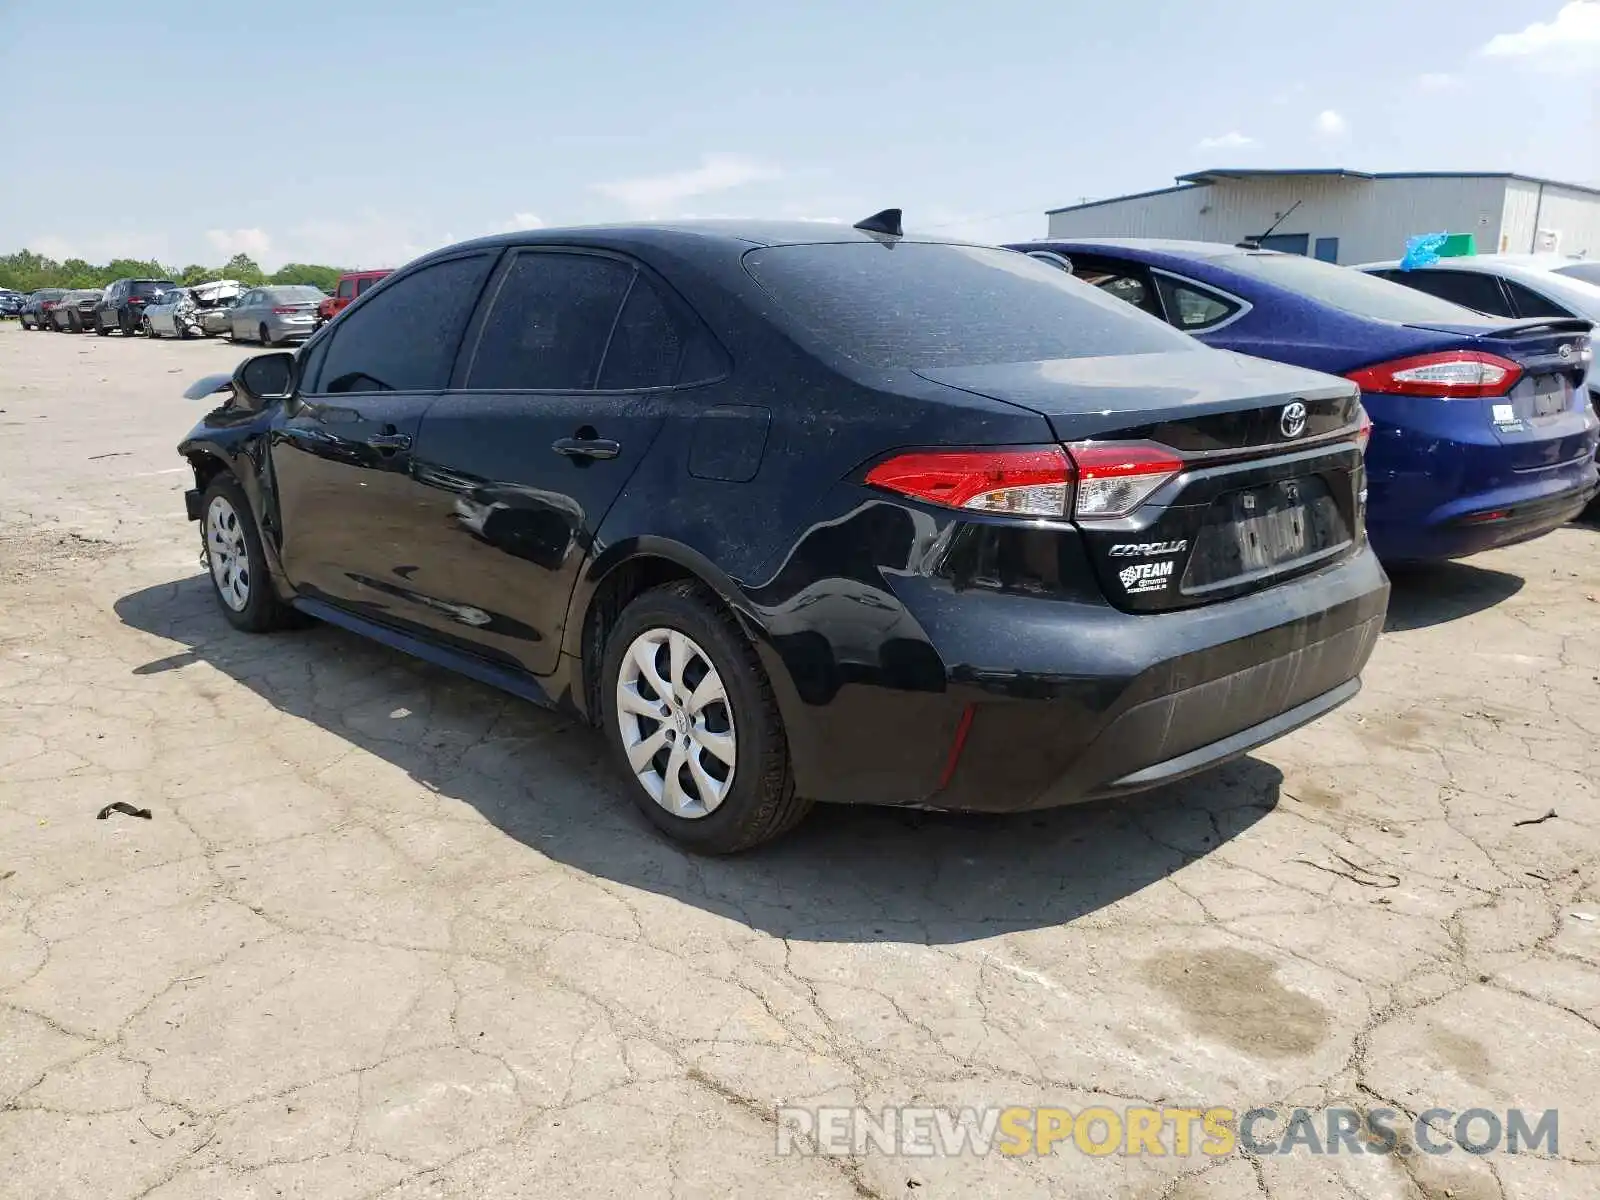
[1442,483]
[1036,702]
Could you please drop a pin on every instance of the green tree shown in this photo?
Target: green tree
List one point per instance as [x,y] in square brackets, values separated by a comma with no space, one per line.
[243,268]
[326,278]
[195,273]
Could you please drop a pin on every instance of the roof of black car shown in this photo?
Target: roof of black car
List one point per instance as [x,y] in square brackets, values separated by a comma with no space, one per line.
[751,232]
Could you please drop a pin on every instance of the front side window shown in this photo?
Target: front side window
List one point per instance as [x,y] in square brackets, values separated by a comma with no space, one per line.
[1192,308]
[347,288]
[363,284]
[550,322]
[1470,289]
[928,304]
[405,338]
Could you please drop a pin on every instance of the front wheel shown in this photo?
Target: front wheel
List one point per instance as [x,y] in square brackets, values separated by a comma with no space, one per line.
[264,336]
[693,722]
[239,577]
[150,330]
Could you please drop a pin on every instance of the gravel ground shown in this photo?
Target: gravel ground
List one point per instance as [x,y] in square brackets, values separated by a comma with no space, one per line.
[390,933]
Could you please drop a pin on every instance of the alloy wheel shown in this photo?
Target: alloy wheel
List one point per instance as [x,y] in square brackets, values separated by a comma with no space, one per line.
[676,723]
[230,558]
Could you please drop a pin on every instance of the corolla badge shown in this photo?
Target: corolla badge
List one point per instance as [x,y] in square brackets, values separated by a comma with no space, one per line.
[1292,421]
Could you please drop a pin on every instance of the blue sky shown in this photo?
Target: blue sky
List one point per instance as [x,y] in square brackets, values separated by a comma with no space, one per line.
[363,133]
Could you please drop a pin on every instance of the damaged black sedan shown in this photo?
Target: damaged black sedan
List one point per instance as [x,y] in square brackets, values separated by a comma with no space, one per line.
[800,514]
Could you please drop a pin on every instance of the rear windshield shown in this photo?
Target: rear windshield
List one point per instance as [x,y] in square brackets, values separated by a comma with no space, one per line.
[149,287]
[920,304]
[50,293]
[1588,272]
[294,295]
[1354,291]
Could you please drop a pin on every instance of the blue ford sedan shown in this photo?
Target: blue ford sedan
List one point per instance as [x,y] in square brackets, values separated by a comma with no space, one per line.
[1482,435]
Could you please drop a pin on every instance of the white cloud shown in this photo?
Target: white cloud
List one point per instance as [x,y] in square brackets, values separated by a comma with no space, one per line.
[1233,140]
[228,242]
[361,239]
[102,247]
[1331,124]
[518,221]
[1571,41]
[1438,81]
[716,173]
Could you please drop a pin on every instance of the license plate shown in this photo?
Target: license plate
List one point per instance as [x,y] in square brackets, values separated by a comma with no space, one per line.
[1259,528]
[1551,396]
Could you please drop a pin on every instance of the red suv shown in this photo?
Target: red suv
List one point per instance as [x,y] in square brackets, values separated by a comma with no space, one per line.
[351,285]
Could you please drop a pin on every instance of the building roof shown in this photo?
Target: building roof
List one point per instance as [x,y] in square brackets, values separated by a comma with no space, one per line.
[1219,174]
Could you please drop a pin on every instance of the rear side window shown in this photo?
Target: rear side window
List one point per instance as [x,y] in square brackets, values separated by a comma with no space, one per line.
[646,344]
[1353,291]
[151,287]
[549,323]
[405,338]
[363,284]
[1192,308]
[1530,304]
[921,304]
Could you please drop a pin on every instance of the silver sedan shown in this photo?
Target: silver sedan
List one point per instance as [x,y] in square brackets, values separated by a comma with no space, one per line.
[273,314]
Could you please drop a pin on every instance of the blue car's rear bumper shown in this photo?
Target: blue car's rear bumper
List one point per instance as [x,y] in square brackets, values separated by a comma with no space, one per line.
[1441,483]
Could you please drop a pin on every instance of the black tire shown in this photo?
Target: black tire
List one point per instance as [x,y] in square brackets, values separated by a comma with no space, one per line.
[761,803]
[73,324]
[150,330]
[263,336]
[130,326]
[100,326]
[263,612]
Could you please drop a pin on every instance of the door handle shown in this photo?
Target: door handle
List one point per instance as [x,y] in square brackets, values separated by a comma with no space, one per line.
[586,448]
[388,443]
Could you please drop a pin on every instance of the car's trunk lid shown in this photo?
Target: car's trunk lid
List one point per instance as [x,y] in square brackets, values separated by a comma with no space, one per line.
[1543,420]
[1271,483]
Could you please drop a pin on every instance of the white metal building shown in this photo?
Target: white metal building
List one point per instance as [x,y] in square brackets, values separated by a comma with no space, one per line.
[1350,216]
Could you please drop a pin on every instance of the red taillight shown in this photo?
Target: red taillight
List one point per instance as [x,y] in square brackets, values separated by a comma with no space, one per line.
[1034,481]
[1114,478]
[1088,480]
[1464,374]
[285,308]
[1364,431]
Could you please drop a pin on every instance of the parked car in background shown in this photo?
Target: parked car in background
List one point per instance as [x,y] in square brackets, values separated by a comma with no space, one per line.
[36,310]
[275,313]
[1529,286]
[1482,433]
[213,299]
[11,302]
[74,312]
[1000,510]
[122,306]
[351,284]
[172,314]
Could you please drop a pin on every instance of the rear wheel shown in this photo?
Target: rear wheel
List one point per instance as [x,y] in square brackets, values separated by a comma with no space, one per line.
[100,328]
[692,720]
[239,577]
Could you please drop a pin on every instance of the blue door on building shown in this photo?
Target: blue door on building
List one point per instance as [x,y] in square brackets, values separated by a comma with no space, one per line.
[1328,249]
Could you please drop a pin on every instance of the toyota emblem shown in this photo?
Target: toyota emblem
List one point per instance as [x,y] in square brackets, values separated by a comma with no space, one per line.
[1293,420]
[1566,352]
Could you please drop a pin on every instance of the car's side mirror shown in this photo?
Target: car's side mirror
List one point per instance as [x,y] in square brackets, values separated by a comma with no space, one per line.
[259,381]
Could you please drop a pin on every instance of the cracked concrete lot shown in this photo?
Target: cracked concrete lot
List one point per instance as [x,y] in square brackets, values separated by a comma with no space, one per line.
[392,934]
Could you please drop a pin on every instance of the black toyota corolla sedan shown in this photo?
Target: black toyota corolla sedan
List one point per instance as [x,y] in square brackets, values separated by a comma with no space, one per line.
[800,513]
